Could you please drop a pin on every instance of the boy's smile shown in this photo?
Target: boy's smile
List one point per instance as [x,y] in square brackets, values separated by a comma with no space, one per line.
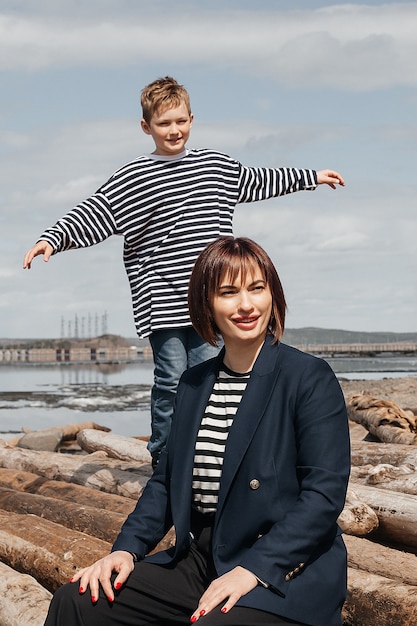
[169,129]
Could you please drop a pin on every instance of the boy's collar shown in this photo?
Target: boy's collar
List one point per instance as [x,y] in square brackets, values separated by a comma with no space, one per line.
[175,157]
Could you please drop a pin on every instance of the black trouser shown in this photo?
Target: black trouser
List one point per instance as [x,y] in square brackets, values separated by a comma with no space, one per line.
[162,595]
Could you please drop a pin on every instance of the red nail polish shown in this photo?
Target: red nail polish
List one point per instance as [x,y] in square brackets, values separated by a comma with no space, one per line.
[224,610]
[109,599]
[81,590]
[193,619]
[71,579]
[117,585]
[93,599]
[202,613]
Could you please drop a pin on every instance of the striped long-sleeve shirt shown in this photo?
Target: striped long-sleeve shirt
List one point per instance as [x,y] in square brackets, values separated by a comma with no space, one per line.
[167,210]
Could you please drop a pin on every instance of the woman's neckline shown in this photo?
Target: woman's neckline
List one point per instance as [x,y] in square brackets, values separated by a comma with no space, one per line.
[231,372]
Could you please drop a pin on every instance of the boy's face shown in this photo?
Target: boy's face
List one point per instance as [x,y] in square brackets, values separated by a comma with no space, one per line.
[169,129]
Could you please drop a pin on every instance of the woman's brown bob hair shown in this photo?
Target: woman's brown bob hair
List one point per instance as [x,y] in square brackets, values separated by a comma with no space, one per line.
[229,257]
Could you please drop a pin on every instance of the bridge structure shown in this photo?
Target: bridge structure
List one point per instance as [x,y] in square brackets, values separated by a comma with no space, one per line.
[133,353]
[360,349]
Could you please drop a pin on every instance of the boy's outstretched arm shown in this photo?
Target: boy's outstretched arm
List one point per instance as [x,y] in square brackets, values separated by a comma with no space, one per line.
[42,247]
[330,177]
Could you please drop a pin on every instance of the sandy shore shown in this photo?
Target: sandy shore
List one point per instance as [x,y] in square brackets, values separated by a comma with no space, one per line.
[402,391]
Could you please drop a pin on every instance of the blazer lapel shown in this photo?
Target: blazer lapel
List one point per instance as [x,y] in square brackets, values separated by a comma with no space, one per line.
[189,416]
[250,412]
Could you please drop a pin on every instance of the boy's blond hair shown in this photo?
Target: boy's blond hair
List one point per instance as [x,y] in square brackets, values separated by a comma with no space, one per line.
[161,94]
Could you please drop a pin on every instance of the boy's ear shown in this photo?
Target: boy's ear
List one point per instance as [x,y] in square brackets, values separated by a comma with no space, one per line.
[145,126]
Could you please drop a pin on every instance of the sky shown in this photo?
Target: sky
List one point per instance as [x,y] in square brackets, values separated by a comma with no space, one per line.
[306,84]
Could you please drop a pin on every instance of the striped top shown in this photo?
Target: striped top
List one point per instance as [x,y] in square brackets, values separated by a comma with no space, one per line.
[168,209]
[212,437]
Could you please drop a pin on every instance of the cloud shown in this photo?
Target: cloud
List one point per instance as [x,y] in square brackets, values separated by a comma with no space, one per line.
[348,47]
[71,75]
[347,241]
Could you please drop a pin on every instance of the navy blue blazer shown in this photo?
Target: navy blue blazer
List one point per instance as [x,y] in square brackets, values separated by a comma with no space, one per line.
[283,485]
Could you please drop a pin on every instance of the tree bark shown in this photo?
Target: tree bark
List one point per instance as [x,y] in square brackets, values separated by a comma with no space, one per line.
[45,550]
[23,599]
[397,514]
[115,446]
[92,521]
[402,479]
[92,470]
[357,518]
[51,438]
[378,559]
[370,453]
[30,483]
[374,600]
[383,419]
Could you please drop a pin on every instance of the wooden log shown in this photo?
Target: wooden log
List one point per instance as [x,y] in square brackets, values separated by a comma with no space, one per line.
[357,518]
[50,438]
[378,559]
[19,480]
[402,479]
[95,504]
[383,419]
[357,432]
[23,599]
[397,514]
[92,470]
[30,483]
[115,446]
[384,472]
[369,453]
[99,523]
[45,550]
[374,600]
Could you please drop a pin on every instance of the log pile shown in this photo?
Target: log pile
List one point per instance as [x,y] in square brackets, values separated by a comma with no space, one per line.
[59,512]
[382,576]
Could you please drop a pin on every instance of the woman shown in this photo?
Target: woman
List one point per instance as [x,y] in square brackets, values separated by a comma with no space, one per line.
[253,477]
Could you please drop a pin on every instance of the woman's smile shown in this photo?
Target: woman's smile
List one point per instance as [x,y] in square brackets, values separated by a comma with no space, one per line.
[246,322]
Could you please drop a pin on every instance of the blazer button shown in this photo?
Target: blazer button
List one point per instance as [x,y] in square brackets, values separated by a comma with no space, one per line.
[254,484]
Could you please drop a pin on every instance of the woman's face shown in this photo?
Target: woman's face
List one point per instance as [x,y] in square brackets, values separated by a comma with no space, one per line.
[242,310]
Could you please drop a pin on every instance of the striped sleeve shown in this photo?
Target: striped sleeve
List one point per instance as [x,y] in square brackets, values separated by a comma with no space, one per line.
[262,183]
[87,224]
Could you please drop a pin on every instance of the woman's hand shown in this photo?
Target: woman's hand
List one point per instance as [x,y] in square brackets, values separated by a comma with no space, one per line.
[230,587]
[330,177]
[100,573]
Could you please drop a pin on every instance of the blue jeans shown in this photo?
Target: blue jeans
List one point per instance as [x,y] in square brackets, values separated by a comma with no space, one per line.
[174,351]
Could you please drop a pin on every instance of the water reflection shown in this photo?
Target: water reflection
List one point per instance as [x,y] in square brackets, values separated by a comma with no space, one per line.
[28,377]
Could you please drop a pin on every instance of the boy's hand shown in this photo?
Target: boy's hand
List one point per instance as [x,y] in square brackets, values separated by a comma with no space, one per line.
[42,247]
[330,177]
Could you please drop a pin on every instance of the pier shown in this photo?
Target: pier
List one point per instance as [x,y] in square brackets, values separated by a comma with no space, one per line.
[360,349]
[133,354]
[130,354]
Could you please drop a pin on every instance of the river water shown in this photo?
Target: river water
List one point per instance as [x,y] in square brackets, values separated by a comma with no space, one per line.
[118,396]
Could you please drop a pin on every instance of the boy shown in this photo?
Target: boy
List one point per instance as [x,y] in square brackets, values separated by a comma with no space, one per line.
[168,206]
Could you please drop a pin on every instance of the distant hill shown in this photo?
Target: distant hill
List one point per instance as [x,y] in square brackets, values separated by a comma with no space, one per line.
[312,336]
[114,341]
[293,336]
